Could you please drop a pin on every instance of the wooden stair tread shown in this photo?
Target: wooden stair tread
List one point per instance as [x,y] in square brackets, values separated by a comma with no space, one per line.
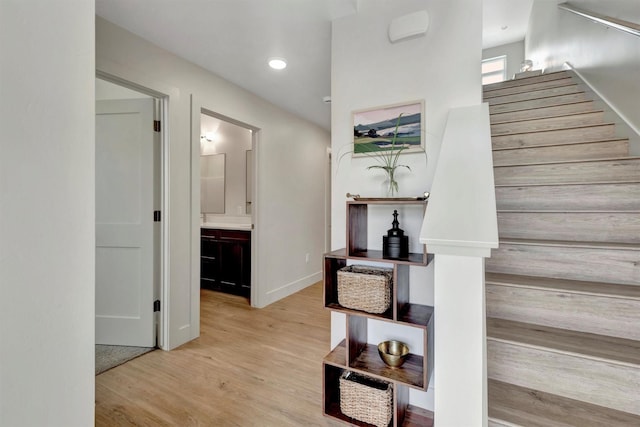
[537,95]
[612,290]
[525,85]
[555,116]
[552,101]
[566,135]
[545,107]
[542,111]
[562,83]
[557,152]
[554,130]
[562,144]
[580,171]
[515,405]
[581,344]
[518,127]
[512,90]
[595,211]
[523,81]
[569,183]
[606,159]
[574,244]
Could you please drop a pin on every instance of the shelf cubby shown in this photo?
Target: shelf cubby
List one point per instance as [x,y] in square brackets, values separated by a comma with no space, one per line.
[401,310]
[357,232]
[362,356]
[404,414]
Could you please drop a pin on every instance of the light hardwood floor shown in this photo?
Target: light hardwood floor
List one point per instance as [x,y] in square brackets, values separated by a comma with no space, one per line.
[249,367]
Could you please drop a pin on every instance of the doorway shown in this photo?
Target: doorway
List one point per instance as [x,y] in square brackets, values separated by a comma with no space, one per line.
[218,139]
[226,171]
[128,214]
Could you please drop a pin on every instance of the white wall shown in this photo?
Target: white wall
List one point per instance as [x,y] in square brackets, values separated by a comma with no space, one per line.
[442,68]
[513,51]
[290,159]
[608,59]
[47,213]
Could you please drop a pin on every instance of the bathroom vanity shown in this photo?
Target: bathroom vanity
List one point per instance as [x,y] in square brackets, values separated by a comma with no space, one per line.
[225,260]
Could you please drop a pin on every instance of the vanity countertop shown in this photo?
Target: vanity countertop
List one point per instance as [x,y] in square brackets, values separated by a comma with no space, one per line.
[226,225]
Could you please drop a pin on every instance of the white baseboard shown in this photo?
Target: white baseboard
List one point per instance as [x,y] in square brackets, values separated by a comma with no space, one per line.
[290,289]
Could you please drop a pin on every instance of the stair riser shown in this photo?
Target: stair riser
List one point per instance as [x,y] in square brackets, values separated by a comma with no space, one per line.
[591,264]
[587,151]
[604,197]
[519,106]
[544,93]
[613,227]
[597,314]
[622,170]
[539,113]
[488,94]
[598,382]
[526,81]
[555,137]
[553,123]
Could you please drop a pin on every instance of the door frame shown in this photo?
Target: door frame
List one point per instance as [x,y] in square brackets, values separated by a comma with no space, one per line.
[161,290]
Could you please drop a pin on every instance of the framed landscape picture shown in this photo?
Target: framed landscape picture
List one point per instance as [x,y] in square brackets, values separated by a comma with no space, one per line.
[373,129]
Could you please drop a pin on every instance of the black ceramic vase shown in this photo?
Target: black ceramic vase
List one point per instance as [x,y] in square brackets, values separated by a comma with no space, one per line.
[395,244]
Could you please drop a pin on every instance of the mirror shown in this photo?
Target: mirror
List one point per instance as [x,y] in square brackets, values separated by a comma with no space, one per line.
[226,180]
[212,179]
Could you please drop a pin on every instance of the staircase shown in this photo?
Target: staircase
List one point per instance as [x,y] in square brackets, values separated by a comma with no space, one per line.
[563,288]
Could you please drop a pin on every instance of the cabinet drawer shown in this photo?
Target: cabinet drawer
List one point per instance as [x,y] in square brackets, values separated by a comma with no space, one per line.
[208,268]
[240,235]
[210,232]
[208,246]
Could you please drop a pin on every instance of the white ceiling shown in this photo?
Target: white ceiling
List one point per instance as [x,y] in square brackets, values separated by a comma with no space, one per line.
[235,38]
[504,21]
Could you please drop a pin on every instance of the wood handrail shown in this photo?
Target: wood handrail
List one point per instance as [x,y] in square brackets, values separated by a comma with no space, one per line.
[618,24]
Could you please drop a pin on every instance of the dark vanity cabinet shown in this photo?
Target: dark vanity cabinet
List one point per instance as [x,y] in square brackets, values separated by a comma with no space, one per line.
[225,261]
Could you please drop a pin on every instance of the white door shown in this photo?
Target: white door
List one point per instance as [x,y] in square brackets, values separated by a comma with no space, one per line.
[125,222]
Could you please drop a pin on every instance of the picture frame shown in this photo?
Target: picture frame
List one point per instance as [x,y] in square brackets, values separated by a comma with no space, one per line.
[373,128]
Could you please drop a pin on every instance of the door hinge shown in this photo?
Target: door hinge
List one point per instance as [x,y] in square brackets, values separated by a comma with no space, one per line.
[156,125]
[157,216]
[156,305]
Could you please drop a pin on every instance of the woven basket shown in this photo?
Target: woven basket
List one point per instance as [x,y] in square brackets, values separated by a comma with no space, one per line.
[365,288]
[366,399]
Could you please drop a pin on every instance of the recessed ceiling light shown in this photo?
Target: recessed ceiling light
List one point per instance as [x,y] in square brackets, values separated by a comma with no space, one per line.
[277,63]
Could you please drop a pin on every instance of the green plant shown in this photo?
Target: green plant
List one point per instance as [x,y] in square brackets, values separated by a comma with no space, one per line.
[388,160]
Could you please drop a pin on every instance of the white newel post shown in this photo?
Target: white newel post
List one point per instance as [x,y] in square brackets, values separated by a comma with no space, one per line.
[459,342]
[460,228]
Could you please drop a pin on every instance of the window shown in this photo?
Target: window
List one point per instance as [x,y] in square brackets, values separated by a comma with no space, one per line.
[494,70]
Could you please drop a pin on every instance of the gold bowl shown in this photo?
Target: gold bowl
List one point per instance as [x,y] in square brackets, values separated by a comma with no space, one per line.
[393,353]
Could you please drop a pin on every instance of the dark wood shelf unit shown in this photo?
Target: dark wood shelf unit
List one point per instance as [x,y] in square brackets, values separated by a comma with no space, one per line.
[355,353]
